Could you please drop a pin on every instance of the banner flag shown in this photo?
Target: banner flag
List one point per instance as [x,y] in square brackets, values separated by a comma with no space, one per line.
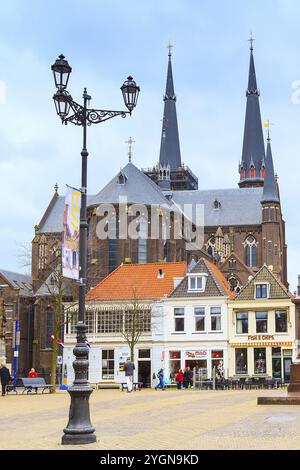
[70,249]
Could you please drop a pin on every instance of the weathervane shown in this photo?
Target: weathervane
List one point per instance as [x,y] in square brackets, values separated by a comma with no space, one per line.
[130,142]
[169,46]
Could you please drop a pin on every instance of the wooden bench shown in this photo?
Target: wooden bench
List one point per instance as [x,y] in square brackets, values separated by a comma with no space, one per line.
[34,384]
[136,386]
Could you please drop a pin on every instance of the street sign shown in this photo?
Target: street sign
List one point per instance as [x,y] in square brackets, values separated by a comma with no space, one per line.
[59,360]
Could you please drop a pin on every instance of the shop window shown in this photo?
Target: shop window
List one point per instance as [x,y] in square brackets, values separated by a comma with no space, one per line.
[261,322]
[241,361]
[174,364]
[144,354]
[108,364]
[260,366]
[199,318]
[215,317]
[281,321]
[179,319]
[262,291]
[217,362]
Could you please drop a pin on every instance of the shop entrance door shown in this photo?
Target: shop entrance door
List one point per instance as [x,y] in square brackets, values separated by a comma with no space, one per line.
[144,373]
[287,361]
[199,364]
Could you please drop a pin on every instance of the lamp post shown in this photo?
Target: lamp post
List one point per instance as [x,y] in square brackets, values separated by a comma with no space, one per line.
[79,429]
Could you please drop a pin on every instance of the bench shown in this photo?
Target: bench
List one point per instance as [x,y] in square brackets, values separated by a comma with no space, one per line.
[34,384]
[136,386]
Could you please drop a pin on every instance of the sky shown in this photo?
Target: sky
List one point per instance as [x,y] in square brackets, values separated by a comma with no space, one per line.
[104,42]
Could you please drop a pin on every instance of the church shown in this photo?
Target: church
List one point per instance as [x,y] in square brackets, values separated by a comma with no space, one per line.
[243,226]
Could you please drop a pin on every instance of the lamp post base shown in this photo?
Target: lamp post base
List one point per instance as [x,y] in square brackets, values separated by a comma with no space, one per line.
[79,429]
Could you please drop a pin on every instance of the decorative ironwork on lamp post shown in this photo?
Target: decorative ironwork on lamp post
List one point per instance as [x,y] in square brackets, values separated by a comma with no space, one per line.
[79,429]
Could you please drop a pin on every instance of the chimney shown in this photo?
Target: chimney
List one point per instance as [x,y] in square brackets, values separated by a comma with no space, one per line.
[298,287]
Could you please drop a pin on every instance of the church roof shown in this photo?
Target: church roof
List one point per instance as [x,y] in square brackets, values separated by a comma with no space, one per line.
[238,206]
[136,187]
[270,193]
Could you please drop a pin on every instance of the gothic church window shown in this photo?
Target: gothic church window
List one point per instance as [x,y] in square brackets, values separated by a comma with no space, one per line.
[43,253]
[251,251]
[142,241]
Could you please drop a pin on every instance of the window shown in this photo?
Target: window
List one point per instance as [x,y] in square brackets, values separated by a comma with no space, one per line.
[199,318]
[250,251]
[260,361]
[241,361]
[242,323]
[262,291]
[276,363]
[110,321]
[174,364]
[215,317]
[232,264]
[179,319]
[142,241]
[144,354]
[108,364]
[49,327]
[112,244]
[197,283]
[261,322]
[281,321]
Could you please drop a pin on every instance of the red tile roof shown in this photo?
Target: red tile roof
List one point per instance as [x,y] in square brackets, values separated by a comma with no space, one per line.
[220,278]
[138,281]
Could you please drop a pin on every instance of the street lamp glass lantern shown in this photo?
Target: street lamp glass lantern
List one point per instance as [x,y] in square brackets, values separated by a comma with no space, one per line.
[61,72]
[62,103]
[130,92]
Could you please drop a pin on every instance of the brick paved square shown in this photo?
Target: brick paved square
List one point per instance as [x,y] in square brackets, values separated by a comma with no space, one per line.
[154,420]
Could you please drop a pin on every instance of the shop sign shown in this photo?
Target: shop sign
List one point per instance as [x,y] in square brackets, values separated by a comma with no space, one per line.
[261,338]
[199,354]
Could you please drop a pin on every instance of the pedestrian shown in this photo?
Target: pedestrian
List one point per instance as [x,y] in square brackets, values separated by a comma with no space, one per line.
[32,374]
[5,378]
[129,367]
[191,376]
[161,384]
[186,378]
[179,379]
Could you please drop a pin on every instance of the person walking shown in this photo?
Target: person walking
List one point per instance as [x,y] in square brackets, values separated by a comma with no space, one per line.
[179,379]
[186,378]
[4,377]
[160,376]
[129,367]
[32,374]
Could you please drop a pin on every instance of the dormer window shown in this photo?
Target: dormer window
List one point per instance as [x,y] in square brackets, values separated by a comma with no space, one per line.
[121,178]
[197,282]
[262,291]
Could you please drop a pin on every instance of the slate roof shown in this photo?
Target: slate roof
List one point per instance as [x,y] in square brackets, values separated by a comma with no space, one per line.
[138,188]
[18,281]
[253,143]
[270,188]
[138,281]
[216,284]
[277,289]
[239,206]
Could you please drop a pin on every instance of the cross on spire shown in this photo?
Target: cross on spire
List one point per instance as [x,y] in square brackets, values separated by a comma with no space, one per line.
[169,46]
[130,142]
[251,40]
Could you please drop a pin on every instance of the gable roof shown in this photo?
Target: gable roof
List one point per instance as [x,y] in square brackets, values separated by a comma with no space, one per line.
[277,289]
[138,281]
[216,284]
[18,281]
[137,188]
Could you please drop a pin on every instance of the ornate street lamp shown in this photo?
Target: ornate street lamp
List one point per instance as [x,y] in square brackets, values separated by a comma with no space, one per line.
[79,429]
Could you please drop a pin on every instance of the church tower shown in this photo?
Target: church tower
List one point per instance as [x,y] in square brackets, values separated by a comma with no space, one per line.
[273,227]
[252,166]
[170,173]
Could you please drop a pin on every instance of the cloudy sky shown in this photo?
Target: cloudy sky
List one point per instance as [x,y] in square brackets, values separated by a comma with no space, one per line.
[104,43]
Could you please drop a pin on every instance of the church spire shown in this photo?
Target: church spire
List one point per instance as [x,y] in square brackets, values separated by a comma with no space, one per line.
[270,193]
[170,147]
[253,153]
